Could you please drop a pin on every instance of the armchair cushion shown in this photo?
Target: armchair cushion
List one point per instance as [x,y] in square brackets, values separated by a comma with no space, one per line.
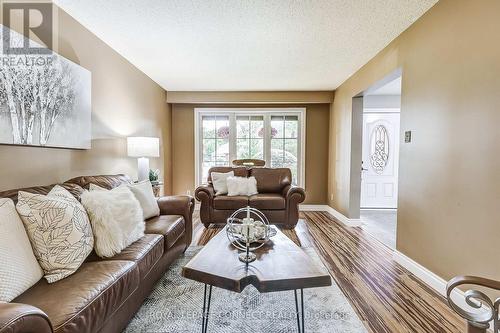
[267,201]
[233,203]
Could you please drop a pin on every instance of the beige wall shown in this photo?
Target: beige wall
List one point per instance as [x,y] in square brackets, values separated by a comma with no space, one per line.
[125,102]
[317,126]
[449,186]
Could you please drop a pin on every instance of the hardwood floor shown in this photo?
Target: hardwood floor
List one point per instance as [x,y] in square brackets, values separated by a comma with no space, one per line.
[385,295]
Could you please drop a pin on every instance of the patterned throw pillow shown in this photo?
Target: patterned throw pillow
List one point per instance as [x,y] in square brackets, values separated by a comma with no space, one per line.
[59,230]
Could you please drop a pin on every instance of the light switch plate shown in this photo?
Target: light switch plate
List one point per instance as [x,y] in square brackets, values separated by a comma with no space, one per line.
[407,136]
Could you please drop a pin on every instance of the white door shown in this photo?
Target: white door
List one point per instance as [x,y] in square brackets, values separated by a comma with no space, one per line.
[379,178]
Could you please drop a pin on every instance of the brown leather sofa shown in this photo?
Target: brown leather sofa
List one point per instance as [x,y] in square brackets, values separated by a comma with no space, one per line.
[277,198]
[104,294]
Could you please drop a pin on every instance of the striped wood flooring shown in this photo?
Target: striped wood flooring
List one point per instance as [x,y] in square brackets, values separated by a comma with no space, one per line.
[386,297]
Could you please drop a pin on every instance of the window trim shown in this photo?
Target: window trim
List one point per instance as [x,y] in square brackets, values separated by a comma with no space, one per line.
[267,113]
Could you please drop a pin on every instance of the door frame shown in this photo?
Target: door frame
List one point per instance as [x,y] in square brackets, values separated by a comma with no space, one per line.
[356,157]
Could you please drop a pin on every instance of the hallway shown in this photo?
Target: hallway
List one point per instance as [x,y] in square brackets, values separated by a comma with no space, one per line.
[381,224]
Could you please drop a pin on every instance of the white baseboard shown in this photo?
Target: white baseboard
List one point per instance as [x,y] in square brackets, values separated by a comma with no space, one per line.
[313,208]
[381,209]
[434,281]
[339,216]
[344,219]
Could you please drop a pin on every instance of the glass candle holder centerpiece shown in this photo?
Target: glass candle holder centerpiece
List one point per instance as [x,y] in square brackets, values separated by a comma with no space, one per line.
[248,230]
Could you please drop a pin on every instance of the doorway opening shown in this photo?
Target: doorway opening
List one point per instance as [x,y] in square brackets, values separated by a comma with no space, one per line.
[380,158]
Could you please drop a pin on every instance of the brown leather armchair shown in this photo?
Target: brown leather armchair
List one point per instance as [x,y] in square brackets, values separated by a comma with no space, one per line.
[277,198]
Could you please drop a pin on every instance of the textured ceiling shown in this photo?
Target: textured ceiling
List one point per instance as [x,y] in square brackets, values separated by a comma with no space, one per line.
[247,45]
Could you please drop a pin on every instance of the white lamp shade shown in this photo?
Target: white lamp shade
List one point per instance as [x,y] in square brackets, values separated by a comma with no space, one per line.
[143,147]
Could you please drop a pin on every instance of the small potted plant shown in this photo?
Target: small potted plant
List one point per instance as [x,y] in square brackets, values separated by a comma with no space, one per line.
[153,176]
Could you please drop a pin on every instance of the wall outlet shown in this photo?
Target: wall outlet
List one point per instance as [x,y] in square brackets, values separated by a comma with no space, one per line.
[188,192]
[407,136]
[331,197]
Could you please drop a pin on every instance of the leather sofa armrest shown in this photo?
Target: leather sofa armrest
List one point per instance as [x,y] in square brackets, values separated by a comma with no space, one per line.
[295,193]
[179,205]
[23,318]
[204,193]
[285,190]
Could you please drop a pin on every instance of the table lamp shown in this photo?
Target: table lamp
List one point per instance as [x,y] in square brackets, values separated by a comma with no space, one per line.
[142,148]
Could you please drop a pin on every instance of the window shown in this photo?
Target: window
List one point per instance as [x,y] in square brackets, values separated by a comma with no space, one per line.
[215,141]
[274,135]
[284,142]
[250,137]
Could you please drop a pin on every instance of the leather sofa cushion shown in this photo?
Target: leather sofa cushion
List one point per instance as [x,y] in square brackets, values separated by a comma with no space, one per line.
[224,202]
[83,302]
[145,252]
[267,201]
[105,181]
[271,180]
[172,227]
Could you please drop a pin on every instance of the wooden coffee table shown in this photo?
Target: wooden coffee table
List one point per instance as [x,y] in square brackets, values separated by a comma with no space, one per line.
[280,265]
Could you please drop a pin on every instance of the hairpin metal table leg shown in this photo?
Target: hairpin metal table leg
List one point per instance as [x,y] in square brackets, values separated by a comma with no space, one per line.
[300,312]
[206,308]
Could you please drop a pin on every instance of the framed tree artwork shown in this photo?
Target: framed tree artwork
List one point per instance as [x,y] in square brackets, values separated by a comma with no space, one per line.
[45,99]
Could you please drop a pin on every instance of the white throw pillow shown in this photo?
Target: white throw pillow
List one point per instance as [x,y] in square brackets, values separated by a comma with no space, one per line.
[116,217]
[219,180]
[59,230]
[252,185]
[19,269]
[143,192]
[241,186]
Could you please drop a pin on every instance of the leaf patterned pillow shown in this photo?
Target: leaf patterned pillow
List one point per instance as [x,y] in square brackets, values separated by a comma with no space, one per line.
[59,231]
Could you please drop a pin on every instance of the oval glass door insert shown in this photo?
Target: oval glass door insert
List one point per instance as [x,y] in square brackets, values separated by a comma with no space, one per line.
[379,149]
